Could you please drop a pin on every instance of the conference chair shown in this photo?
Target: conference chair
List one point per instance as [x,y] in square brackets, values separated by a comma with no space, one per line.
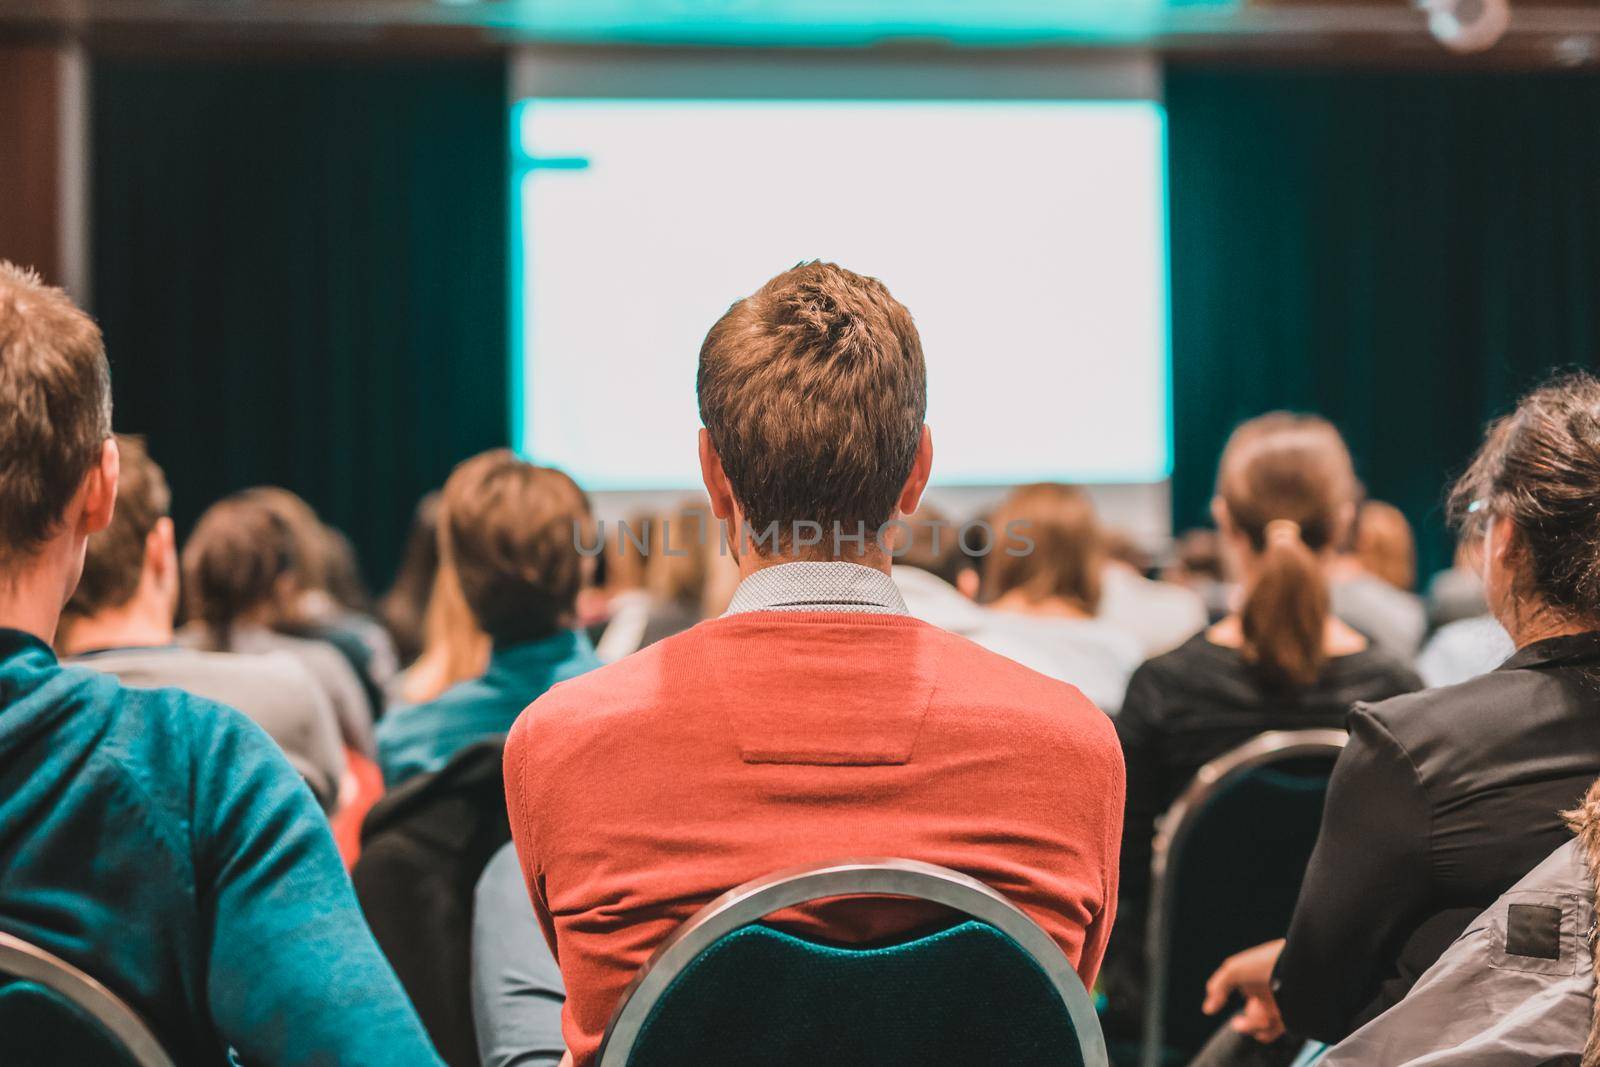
[1229,857]
[725,988]
[54,1015]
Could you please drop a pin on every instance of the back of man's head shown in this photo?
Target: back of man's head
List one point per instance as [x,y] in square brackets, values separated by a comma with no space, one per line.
[813,391]
[511,531]
[114,564]
[55,409]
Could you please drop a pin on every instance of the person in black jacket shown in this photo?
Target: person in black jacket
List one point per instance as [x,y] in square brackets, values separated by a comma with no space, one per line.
[1444,799]
[1286,492]
[423,848]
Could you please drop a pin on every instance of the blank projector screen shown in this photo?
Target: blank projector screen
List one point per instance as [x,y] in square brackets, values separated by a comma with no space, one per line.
[1028,239]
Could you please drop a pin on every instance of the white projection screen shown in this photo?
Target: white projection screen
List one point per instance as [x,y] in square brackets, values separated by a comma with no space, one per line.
[1026,235]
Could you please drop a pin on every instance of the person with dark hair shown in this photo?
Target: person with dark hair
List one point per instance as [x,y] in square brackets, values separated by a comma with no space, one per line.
[324,597]
[404,608]
[815,720]
[238,567]
[1444,799]
[1285,495]
[120,621]
[153,838]
[510,533]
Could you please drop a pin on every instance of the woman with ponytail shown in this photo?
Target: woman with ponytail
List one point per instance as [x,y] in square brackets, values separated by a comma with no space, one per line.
[1444,799]
[1286,494]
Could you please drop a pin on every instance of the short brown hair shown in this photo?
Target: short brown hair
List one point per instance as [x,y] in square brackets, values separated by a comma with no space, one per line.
[114,562]
[511,530]
[57,410]
[813,390]
[1068,551]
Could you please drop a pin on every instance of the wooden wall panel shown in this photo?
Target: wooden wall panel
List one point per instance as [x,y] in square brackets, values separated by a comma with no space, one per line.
[31,181]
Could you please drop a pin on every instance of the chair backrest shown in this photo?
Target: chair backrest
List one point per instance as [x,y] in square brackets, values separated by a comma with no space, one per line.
[54,1015]
[725,988]
[1228,861]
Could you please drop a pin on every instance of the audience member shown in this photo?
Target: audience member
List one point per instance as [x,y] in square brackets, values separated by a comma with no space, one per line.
[327,600]
[1161,615]
[423,847]
[509,535]
[1285,495]
[1374,601]
[1526,967]
[516,986]
[1197,565]
[120,621]
[156,839]
[237,569]
[815,720]
[937,582]
[403,610]
[1464,649]
[1445,799]
[1042,582]
[1385,545]
[454,650]
[679,552]
[628,602]
[1457,592]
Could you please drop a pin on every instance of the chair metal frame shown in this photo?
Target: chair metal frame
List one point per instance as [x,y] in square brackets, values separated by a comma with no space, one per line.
[1272,746]
[755,900]
[19,959]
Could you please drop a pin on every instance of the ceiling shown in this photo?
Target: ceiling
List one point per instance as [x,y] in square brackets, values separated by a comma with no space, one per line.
[1547,32]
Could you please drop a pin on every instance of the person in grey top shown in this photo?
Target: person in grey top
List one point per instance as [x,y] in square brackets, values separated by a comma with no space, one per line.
[517,992]
[1518,986]
[119,621]
[239,582]
[1464,649]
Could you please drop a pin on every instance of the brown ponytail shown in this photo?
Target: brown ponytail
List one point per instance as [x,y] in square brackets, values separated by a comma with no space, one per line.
[1287,484]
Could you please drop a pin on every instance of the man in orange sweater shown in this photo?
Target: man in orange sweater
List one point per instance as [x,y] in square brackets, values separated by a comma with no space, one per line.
[816,720]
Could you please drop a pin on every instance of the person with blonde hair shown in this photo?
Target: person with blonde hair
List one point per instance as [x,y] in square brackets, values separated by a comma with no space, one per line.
[509,537]
[454,647]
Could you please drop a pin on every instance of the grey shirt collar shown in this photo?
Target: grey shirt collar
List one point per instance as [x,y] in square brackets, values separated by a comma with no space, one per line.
[831,586]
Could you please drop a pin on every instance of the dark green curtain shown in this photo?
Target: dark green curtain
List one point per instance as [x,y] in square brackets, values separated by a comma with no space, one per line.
[1404,253]
[300,268]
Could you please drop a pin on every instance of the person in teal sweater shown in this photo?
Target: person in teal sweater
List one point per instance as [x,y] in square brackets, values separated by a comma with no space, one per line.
[158,841]
[509,531]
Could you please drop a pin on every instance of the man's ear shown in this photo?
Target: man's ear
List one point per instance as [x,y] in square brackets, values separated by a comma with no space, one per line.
[717,486]
[917,480]
[100,489]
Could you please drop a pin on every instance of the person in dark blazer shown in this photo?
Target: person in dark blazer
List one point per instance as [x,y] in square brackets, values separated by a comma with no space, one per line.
[1444,799]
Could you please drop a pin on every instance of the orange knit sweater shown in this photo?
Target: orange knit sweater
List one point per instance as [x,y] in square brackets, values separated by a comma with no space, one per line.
[755,742]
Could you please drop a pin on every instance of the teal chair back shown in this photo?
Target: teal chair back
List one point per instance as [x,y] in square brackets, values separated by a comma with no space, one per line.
[54,1015]
[725,988]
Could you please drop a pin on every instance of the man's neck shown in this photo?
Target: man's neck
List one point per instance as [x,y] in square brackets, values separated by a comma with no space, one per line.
[136,624]
[31,598]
